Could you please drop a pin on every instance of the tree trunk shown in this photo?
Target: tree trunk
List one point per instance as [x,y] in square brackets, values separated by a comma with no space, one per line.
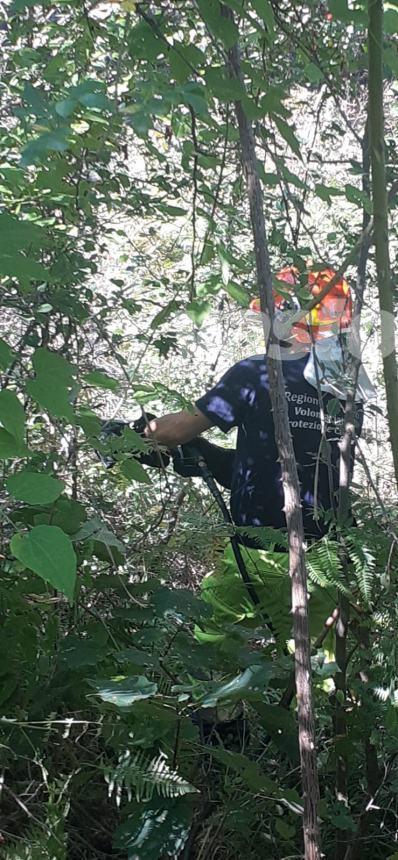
[380,217]
[293,512]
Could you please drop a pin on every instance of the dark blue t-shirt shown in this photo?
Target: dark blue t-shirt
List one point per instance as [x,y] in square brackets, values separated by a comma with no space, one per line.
[241,399]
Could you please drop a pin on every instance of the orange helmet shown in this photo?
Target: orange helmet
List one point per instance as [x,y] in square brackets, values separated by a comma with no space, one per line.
[333,314]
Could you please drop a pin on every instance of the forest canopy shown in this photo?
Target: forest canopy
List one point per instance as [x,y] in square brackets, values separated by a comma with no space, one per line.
[161,164]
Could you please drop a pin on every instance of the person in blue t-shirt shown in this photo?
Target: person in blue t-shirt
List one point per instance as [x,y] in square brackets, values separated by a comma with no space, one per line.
[312,364]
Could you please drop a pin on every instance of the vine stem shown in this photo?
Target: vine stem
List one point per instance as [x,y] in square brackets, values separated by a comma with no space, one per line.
[291,487]
[380,218]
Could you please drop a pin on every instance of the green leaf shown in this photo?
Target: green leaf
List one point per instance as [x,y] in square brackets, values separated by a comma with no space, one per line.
[45,361]
[238,293]
[101,380]
[96,100]
[165,313]
[327,192]
[288,135]
[391,59]
[247,769]
[19,266]
[16,234]
[48,551]
[68,515]
[280,725]
[265,11]
[133,470]
[51,387]
[285,830]
[250,685]
[97,530]
[6,355]
[198,310]
[334,407]
[358,197]
[12,414]
[221,27]
[34,488]
[38,148]
[66,107]
[10,446]
[221,86]
[180,601]
[155,829]
[340,10]
[313,73]
[123,693]
[52,394]
[390,19]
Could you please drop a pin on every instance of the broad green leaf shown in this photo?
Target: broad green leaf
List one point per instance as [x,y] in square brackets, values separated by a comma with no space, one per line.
[198,310]
[155,829]
[66,107]
[238,293]
[327,192]
[51,387]
[250,685]
[165,313]
[48,551]
[175,211]
[12,414]
[18,234]
[52,394]
[249,770]
[133,470]
[340,10]
[281,726]
[10,446]
[45,361]
[75,652]
[290,177]
[96,100]
[143,44]
[223,87]
[358,197]
[288,134]
[313,73]
[391,59]
[285,830]
[101,380]
[97,530]
[221,27]
[6,355]
[195,96]
[35,488]
[19,266]
[38,148]
[179,601]
[68,515]
[265,11]
[124,692]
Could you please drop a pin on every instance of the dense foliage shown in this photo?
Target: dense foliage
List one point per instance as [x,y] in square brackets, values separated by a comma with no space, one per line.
[134,721]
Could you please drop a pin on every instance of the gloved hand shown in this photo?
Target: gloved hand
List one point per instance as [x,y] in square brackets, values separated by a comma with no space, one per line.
[149,457]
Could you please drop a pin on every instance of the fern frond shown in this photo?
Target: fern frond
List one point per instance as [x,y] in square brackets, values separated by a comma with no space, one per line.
[145,775]
[324,566]
[363,563]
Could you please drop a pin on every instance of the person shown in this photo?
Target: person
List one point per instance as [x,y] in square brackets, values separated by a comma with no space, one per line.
[241,399]
[313,365]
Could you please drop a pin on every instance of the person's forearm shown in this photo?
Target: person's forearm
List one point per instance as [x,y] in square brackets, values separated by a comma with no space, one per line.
[177,428]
